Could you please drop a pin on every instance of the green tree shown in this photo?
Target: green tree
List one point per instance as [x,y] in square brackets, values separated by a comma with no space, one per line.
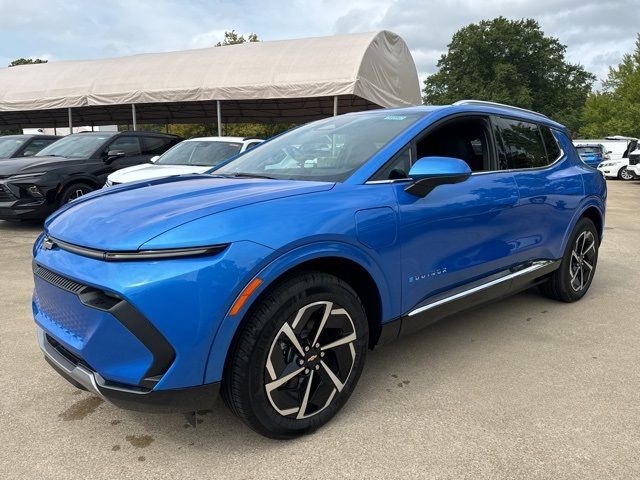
[26,61]
[232,38]
[511,61]
[616,109]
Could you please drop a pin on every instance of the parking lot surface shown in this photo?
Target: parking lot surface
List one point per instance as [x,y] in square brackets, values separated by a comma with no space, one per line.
[524,388]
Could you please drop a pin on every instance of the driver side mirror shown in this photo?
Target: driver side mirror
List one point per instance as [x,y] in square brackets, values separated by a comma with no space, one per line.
[154,159]
[113,155]
[429,172]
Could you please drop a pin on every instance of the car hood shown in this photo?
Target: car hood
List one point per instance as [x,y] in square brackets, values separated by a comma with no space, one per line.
[13,166]
[124,217]
[150,171]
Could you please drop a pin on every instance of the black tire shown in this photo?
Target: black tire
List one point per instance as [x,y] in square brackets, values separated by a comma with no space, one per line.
[568,283]
[625,175]
[262,351]
[73,191]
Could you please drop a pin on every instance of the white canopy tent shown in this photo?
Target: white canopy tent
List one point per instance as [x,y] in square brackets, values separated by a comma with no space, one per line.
[274,81]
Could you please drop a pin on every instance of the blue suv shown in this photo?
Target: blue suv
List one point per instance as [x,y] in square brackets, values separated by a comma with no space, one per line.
[268,279]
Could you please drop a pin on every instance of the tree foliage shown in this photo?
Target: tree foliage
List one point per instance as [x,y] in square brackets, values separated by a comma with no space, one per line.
[26,61]
[232,38]
[616,109]
[513,62]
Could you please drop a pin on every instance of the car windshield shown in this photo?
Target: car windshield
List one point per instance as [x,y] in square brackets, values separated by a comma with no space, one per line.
[200,152]
[327,150]
[589,150]
[9,146]
[74,146]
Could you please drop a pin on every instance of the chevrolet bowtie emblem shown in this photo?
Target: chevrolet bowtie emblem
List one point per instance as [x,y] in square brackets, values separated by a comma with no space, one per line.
[313,357]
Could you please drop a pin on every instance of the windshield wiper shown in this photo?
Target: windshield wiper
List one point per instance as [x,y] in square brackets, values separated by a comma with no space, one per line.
[242,175]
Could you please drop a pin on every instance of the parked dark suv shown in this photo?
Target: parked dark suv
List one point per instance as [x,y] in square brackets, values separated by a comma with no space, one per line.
[14,146]
[73,166]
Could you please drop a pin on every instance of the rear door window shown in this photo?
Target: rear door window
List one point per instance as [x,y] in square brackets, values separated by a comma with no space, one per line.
[130,145]
[522,143]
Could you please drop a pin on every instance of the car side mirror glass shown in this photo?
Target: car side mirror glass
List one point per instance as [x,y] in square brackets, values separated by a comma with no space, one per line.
[28,153]
[113,155]
[154,159]
[429,172]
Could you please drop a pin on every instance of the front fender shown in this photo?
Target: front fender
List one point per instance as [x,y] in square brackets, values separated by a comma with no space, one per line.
[279,266]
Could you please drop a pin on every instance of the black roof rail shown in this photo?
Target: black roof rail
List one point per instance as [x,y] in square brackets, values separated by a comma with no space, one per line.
[495,104]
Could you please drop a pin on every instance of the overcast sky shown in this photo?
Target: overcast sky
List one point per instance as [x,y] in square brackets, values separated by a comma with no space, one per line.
[597,33]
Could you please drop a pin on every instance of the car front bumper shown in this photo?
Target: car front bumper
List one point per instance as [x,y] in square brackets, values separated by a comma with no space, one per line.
[128,397]
[139,326]
[13,207]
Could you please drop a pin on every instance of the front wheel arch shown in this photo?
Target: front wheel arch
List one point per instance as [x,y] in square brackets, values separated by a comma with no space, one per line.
[284,266]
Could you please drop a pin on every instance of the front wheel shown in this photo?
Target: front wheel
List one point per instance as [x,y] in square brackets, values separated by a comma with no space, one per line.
[625,174]
[298,356]
[74,191]
[571,281]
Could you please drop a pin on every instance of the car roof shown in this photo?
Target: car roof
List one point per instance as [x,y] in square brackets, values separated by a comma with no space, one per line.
[477,106]
[224,139]
[128,132]
[578,143]
[30,135]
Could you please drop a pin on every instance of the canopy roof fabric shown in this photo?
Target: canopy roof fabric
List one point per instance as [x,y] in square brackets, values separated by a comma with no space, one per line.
[288,80]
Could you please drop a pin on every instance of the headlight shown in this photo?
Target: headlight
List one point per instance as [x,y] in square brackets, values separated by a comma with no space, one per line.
[50,243]
[20,176]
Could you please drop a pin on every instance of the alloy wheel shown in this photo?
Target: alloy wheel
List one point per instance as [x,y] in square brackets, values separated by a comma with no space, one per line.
[626,174]
[310,360]
[582,261]
[77,193]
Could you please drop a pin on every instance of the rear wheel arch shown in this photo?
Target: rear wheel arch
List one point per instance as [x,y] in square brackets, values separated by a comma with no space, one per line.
[593,211]
[593,214]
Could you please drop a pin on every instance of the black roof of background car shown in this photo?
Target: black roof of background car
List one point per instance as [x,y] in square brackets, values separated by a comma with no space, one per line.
[30,135]
[130,132]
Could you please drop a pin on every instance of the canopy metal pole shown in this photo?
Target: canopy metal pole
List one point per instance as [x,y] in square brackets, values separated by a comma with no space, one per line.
[70,120]
[335,105]
[133,114]
[219,112]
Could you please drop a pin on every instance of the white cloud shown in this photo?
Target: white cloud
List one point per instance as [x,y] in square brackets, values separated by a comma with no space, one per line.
[597,33]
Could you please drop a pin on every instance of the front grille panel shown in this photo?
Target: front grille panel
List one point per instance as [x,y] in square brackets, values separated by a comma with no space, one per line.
[57,280]
[5,194]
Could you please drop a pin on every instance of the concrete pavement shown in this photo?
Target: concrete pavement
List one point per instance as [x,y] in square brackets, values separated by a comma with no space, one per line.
[525,388]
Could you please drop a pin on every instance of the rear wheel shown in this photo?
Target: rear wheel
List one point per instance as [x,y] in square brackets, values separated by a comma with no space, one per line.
[571,281]
[75,191]
[298,357]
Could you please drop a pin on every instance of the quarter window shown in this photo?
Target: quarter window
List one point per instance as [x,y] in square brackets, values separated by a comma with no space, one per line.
[155,145]
[551,144]
[522,144]
[397,168]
